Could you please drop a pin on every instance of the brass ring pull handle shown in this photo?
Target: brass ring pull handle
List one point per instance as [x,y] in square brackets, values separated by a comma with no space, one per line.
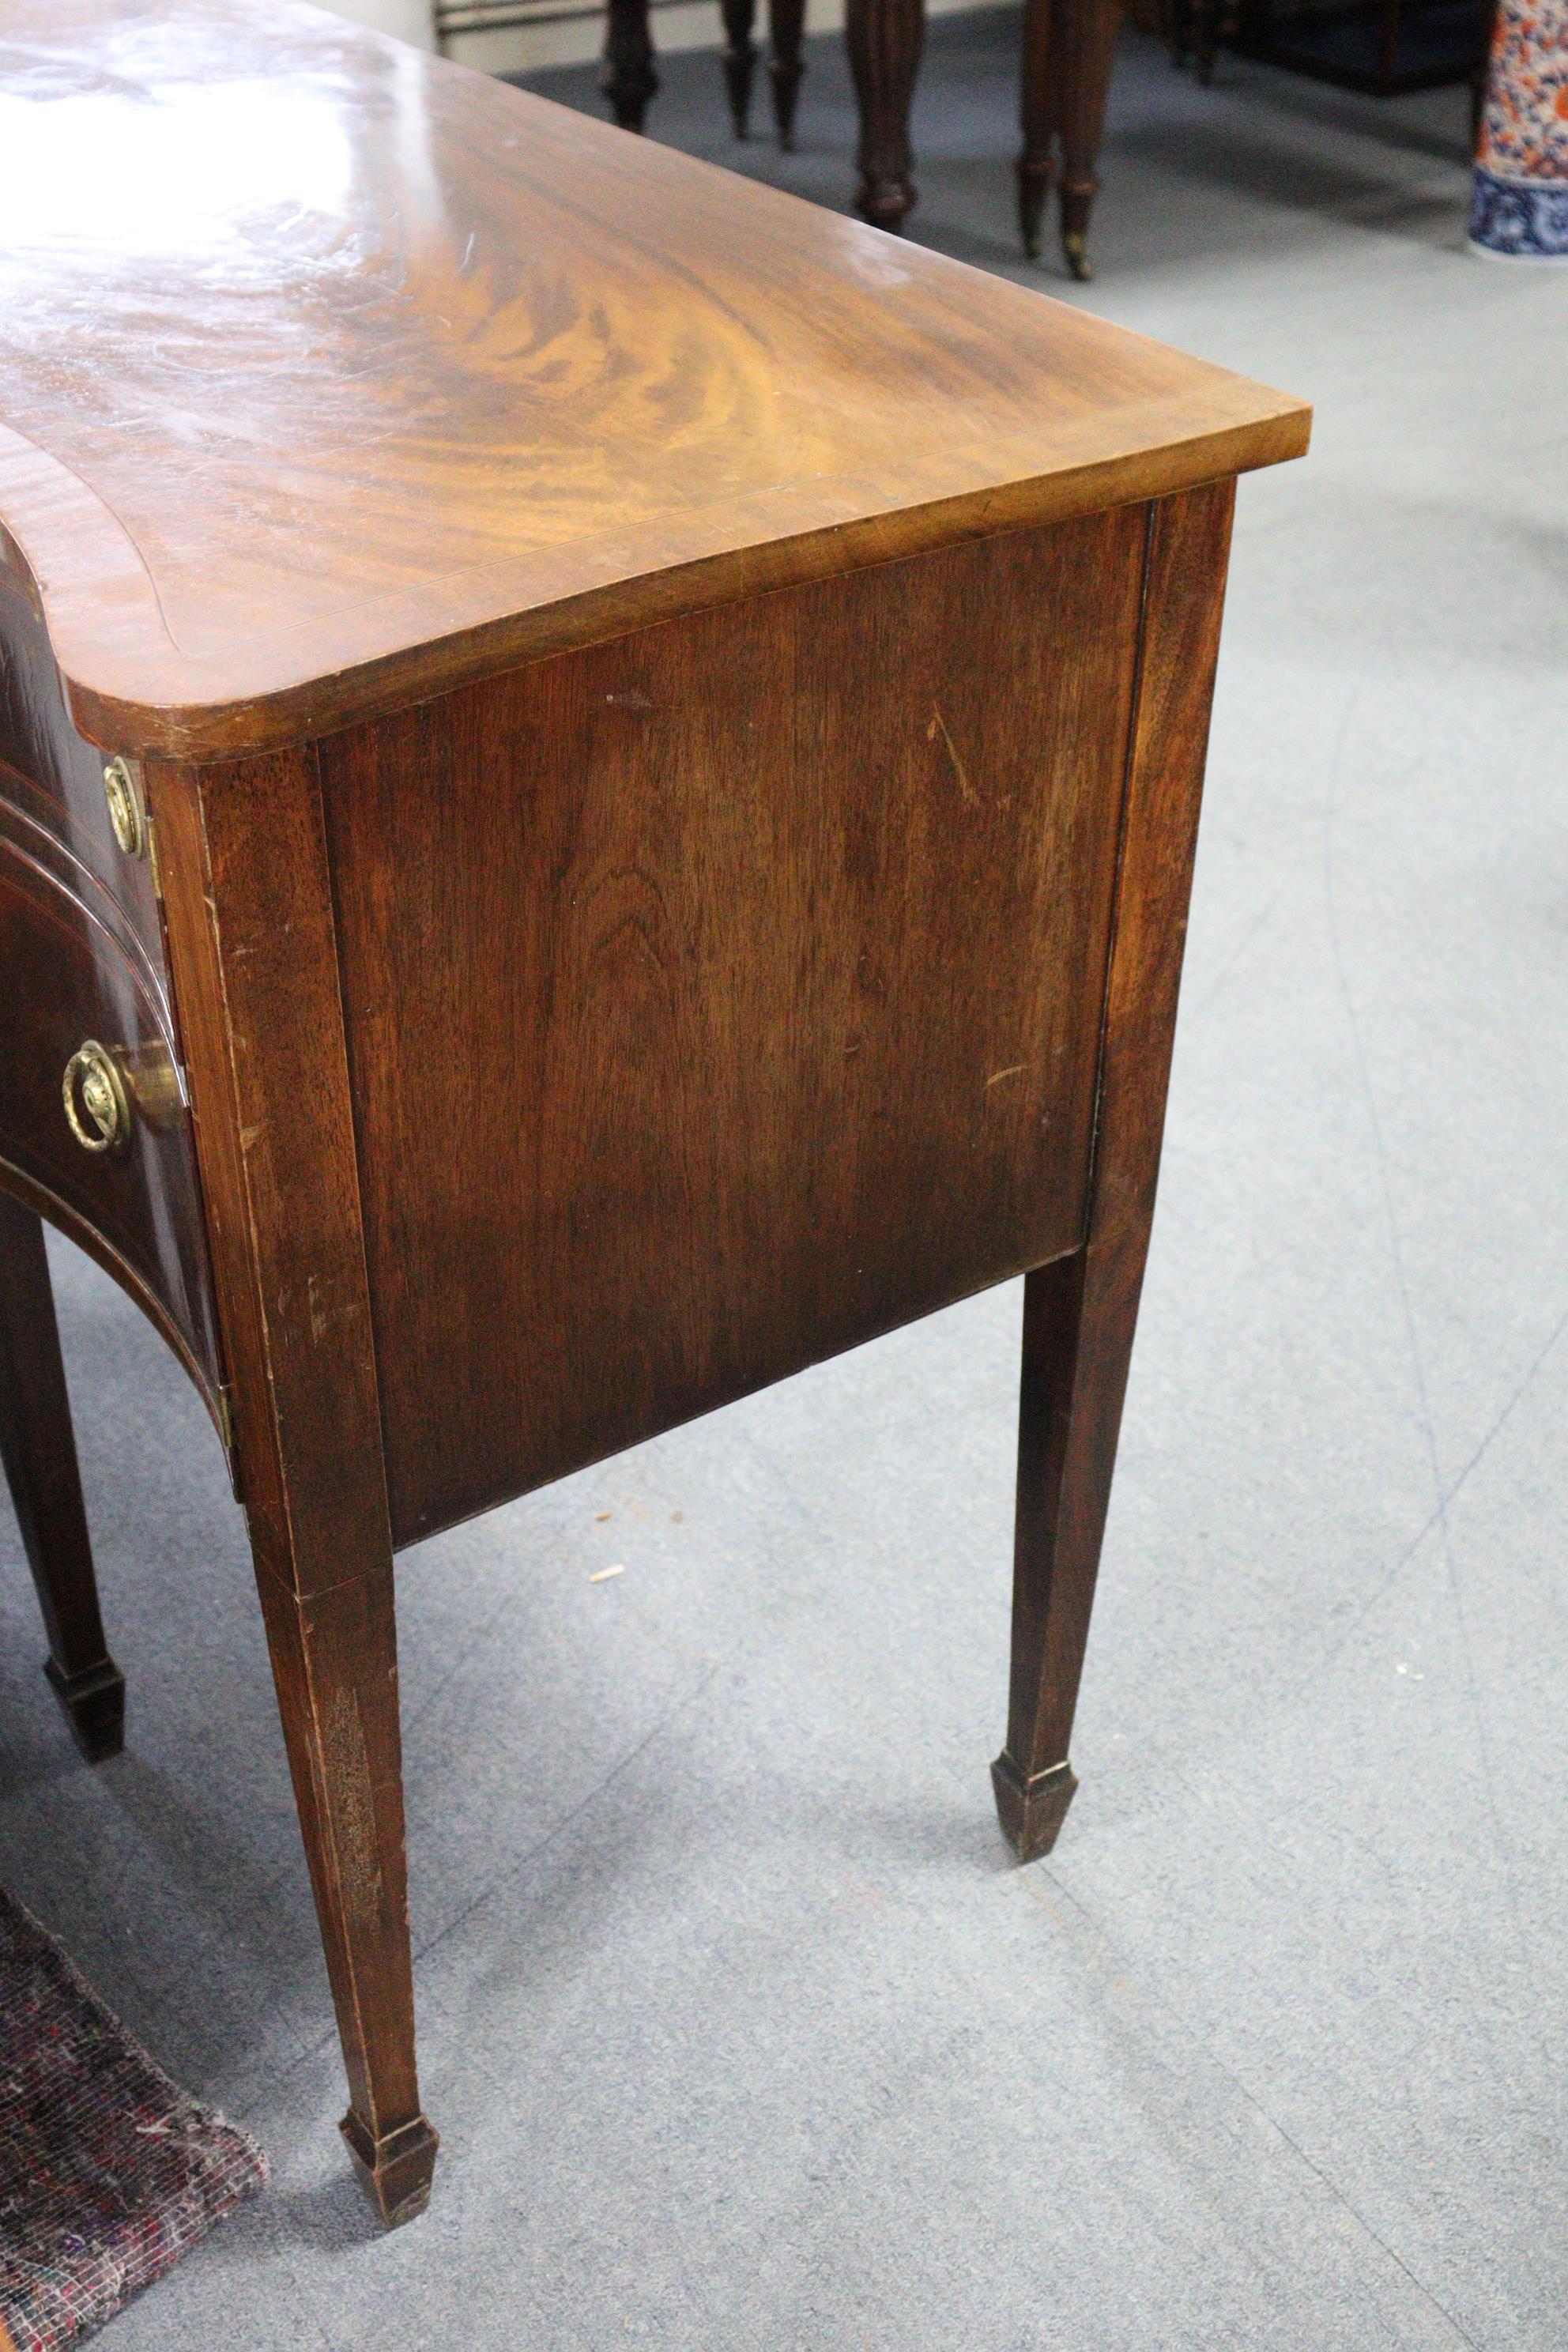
[125,808]
[97,1104]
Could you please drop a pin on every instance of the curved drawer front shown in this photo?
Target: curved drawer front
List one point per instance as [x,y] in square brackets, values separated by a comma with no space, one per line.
[72,972]
[51,772]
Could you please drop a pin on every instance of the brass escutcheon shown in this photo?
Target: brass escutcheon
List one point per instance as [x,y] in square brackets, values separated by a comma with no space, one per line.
[125,808]
[97,1104]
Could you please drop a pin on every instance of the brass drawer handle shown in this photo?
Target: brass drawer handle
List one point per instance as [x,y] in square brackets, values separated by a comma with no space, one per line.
[97,1104]
[125,808]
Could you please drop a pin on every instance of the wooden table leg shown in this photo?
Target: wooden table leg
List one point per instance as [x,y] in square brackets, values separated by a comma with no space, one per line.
[1068,47]
[786,27]
[249,912]
[1038,108]
[739,61]
[1080,1314]
[885,38]
[627,75]
[38,1451]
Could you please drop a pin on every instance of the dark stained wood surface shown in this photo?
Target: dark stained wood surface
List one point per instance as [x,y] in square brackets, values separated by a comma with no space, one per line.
[750,1007]
[335,373]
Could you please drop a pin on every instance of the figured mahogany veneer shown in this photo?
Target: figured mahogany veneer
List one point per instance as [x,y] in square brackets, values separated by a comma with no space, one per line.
[665,731]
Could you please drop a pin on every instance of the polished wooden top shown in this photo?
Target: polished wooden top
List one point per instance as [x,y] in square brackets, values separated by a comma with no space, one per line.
[331,374]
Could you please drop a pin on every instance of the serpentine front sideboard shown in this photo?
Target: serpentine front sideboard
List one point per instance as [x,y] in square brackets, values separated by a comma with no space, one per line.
[599,776]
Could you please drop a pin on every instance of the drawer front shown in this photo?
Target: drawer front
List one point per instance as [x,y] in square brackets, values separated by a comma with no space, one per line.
[73,973]
[52,773]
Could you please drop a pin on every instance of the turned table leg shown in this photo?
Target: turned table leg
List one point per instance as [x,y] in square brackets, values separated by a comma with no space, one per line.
[1038,108]
[1069,46]
[885,38]
[38,1451]
[627,75]
[250,918]
[786,27]
[739,57]
[1079,1313]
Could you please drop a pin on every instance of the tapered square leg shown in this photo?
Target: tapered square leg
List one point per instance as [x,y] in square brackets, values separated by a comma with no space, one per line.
[38,1451]
[334,1662]
[397,2170]
[249,907]
[1080,1312]
[1032,1811]
[1078,1337]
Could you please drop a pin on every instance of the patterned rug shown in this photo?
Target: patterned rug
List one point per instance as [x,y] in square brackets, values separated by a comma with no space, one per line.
[108,2172]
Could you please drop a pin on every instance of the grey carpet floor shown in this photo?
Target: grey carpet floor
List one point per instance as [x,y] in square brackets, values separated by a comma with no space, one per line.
[741,2031]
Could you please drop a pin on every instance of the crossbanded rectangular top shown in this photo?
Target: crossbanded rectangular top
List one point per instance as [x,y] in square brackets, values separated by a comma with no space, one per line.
[332,374]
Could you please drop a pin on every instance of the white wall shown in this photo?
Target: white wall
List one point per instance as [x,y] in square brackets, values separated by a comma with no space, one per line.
[569,35]
[411,20]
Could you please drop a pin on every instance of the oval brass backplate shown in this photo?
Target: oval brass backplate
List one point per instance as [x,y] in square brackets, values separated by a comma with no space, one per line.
[125,813]
[97,1104]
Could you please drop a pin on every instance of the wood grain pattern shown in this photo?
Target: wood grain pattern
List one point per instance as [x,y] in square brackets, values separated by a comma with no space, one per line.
[37,1452]
[251,925]
[335,375]
[1079,1315]
[750,1007]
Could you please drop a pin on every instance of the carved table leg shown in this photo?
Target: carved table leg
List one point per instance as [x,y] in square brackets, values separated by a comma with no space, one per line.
[39,1456]
[1069,49]
[1088,49]
[1080,1314]
[786,26]
[739,61]
[1038,111]
[627,76]
[250,919]
[885,38]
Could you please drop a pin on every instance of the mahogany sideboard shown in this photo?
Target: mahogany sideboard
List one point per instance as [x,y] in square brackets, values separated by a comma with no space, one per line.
[598,773]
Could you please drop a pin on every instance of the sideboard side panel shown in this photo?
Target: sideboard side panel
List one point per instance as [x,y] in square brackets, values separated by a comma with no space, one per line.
[724,995]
